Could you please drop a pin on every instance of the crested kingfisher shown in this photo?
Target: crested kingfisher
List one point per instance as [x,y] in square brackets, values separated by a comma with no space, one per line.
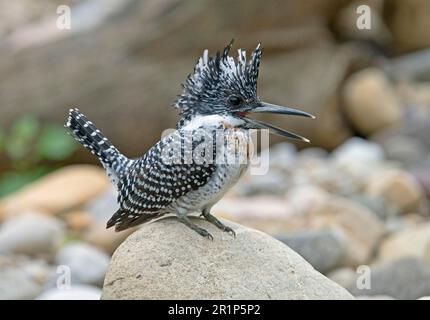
[216,98]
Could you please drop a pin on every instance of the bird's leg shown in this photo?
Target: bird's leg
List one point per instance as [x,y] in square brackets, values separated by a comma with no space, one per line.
[212,219]
[185,220]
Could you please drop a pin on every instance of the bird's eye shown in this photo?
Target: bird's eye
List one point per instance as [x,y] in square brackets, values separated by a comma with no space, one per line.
[235,101]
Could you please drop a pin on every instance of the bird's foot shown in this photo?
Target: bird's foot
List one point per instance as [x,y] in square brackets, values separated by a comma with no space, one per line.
[200,231]
[204,233]
[212,219]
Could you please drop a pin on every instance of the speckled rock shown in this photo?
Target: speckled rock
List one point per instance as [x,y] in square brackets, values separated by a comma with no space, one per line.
[166,260]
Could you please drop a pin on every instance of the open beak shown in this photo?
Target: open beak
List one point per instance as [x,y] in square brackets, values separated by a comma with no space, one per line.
[272,108]
[265,107]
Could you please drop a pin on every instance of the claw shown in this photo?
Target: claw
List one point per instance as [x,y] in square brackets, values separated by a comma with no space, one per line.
[229,230]
[206,234]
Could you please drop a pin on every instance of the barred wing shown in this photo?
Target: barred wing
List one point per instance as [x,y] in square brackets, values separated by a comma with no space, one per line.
[157,179]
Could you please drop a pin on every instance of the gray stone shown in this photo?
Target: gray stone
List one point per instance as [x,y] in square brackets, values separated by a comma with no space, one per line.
[358,150]
[376,205]
[422,175]
[76,292]
[22,278]
[102,207]
[273,182]
[409,151]
[281,156]
[312,153]
[406,278]
[167,260]
[87,264]
[31,234]
[316,209]
[323,249]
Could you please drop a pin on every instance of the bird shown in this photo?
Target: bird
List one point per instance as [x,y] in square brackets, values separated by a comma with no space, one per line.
[182,174]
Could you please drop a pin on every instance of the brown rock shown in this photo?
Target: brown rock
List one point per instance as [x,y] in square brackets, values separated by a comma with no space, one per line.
[345,26]
[309,208]
[370,101]
[410,242]
[360,227]
[266,213]
[59,191]
[409,22]
[398,188]
[78,220]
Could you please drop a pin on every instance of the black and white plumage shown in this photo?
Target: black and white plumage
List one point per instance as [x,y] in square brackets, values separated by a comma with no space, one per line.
[189,170]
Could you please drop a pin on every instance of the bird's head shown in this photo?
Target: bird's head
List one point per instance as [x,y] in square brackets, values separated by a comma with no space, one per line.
[222,86]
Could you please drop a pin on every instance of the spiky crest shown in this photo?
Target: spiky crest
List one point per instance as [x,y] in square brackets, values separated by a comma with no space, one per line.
[214,77]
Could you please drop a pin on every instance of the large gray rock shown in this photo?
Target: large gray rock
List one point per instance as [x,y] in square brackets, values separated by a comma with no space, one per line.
[166,260]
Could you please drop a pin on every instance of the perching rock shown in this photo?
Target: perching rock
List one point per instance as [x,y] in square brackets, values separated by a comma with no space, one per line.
[167,260]
[59,191]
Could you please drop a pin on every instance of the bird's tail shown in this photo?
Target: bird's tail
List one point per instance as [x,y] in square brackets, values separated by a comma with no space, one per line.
[86,133]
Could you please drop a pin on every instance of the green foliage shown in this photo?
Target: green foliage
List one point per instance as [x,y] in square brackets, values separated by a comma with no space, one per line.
[13,180]
[31,150]
[22,134]
[53,144]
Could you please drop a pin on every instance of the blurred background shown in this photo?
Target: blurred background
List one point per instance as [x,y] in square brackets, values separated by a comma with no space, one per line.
[357,195]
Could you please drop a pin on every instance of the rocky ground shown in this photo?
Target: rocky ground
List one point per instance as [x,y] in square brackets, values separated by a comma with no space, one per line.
[340,211]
